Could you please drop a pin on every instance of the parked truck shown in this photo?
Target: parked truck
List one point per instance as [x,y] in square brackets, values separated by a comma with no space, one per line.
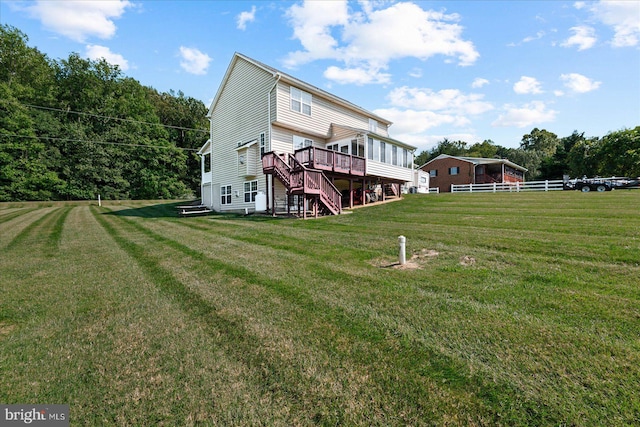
[586,185]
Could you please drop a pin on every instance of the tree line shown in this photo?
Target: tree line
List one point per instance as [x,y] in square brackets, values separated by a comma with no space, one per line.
[74,128]
[546,156]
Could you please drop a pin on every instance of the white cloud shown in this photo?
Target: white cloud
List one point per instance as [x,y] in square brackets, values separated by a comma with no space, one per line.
[409,124]
[539,35]
[623,17]
[579,83]
[370,39]
[245,17]
[79,20]
[357,76]
[97,52]
[312,23]
[450,101]
[194,61]
[527,115]
[413,111]
[583,37]
[479,82]
[527,85]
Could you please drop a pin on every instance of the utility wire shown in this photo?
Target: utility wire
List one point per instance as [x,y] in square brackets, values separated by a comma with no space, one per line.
[112,118]
[96,142]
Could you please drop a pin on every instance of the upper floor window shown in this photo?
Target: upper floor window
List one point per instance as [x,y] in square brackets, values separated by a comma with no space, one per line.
[300,142]
[373,126]
[383,152]
[263,144]
[405,158]
[454,170]
[370,148]
[207,162]
[394,155]
[433,172]
[300,101]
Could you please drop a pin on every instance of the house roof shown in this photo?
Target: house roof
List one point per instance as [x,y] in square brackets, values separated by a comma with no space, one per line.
[297,82]
[478,161]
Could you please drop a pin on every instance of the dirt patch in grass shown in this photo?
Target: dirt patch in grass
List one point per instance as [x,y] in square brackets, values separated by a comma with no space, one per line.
[5,329]
[416,261]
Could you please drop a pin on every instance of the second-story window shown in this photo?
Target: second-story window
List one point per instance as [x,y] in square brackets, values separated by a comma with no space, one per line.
[300,142]
[263,144]
[373,126]
[300,101]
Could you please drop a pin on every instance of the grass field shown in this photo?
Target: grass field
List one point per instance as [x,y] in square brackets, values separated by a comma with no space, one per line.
[516,309]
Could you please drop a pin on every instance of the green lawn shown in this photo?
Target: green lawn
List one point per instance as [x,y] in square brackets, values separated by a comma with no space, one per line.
[517,309]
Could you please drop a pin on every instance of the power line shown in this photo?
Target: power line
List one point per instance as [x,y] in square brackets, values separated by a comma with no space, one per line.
[39,107]
[96,142]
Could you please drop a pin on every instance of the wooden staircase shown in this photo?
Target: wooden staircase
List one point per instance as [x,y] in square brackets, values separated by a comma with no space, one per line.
[301,180]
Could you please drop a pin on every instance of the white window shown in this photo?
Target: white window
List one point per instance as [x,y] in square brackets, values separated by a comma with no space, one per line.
[394,155]
[300,142]
[357,149]
[332,147]
[454,170]
[300,101]
[405,158]
[383,152]
[207,162]
[433,172]
[225,195]
[373,126]
[250,191]
[370,148]
[263,144]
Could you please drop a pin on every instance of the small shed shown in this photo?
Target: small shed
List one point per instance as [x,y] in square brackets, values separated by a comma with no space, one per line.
[446,170]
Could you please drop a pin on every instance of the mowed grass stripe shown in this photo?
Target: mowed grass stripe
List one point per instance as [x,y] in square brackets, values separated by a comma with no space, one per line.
[38,231]
[546,321]
[270,375]
[113,347]
[411,359]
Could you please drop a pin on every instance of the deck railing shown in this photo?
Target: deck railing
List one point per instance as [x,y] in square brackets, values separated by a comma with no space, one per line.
[298,179]
[320,158]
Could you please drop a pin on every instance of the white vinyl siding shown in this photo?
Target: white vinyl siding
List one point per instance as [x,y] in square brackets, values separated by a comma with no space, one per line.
[239,114]
[323,113]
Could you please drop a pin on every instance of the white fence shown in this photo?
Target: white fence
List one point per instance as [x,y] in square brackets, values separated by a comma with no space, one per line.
[512,187]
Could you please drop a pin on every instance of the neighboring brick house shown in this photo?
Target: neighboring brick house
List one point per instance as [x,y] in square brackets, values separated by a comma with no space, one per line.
[445,171]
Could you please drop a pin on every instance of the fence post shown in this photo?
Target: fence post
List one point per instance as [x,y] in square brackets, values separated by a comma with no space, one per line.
[546,185]
[494,187]
[517,187]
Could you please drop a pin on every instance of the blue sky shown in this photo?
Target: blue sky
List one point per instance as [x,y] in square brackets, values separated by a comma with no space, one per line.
[468,70]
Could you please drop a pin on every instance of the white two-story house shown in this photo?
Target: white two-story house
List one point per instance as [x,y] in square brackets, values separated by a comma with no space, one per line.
[290,143]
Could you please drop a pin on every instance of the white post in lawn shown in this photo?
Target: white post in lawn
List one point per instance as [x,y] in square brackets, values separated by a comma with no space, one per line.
[99,202]
[402,255]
